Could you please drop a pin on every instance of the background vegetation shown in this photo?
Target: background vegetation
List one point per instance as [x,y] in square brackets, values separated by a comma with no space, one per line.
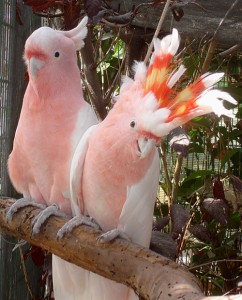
[200,204]
[197,218]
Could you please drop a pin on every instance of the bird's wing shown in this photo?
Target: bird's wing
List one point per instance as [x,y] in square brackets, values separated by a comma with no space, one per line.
[137,214]
[76,172]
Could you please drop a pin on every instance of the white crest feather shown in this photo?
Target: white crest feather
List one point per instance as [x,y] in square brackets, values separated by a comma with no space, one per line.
[140,70]
[210,79]
[168,44]
[78,33]
[210,101]
[176,76]
[127,83]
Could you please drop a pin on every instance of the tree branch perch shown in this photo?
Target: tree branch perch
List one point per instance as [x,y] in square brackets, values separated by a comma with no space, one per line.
[149,274]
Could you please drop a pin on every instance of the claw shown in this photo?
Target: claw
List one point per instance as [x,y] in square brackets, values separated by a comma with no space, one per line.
[75,222]
[21,203]
[40,219]
[111,235]
[21,243]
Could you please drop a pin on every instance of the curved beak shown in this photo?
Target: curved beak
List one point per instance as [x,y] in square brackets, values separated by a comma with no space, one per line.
[35,65]
[145,146]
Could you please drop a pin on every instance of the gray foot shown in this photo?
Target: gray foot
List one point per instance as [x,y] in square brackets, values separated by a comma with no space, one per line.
[21,203]
[75,222]
[111,235]
[39,220]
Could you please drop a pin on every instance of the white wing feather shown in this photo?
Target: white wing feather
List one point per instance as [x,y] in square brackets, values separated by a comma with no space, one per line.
[137,213]
[136,220]
[77,164]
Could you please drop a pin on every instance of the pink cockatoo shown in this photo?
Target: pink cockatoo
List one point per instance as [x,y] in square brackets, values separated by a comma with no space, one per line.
[115,168]
[53,118]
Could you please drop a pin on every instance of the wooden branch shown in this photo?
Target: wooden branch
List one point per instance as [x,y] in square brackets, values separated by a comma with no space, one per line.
[204,18]
[157,31]
[150,275]
[92,82]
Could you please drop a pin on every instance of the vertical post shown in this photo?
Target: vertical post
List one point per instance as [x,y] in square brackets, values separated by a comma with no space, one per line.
[16,23]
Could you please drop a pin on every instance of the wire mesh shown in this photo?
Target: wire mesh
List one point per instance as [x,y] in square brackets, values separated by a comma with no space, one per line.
[13,33]
[6,85]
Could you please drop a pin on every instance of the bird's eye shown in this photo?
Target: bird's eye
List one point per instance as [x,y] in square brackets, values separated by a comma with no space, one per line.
[57,54]
[132,124]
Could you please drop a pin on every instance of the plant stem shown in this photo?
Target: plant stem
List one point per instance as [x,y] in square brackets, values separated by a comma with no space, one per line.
[158,28]
[25,273]
[167,177]
[177,174]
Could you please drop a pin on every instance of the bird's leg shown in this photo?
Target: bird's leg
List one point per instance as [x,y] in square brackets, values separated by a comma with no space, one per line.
[40,219]
[75,222]
[21,203]
[112,234]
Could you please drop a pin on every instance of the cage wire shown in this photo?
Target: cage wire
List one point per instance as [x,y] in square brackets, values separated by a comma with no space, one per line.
[201,161]
[13,33]
[7,15]
[194,161]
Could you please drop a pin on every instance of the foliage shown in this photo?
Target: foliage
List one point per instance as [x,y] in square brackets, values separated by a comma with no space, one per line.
[109,53]
[202,228]
[202,218]
[206,228]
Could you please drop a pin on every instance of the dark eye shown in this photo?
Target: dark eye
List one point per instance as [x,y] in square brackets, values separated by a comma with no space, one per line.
[132,124]
[57,54]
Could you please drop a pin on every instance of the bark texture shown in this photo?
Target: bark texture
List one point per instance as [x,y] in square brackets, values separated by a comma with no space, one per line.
[149,274]
[201,19]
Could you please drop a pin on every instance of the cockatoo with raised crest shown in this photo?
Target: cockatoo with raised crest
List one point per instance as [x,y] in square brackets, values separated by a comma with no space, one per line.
[115,168]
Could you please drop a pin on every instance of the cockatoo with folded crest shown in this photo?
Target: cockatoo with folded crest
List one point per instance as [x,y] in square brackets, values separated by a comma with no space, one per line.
[115,168]
[53,118]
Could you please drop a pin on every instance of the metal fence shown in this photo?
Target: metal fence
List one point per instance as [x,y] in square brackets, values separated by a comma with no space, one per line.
[16,23]
[6,85]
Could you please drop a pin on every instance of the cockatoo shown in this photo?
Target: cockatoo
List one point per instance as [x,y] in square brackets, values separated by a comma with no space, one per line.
[115,168]
[53,118]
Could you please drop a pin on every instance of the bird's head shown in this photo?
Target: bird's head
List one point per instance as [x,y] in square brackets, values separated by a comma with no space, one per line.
[48,51]
[156,104]
[131,105]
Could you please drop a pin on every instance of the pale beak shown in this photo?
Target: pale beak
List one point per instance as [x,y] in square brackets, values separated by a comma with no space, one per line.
[35,65]
[145,146]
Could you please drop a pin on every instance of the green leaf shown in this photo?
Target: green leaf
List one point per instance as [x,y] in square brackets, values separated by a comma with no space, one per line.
[201,121]
[119,50]
[235,90]
[103,66]
[106,36]
[195,147]
[228,155]
[234,134]
[235,219]
[198,174]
